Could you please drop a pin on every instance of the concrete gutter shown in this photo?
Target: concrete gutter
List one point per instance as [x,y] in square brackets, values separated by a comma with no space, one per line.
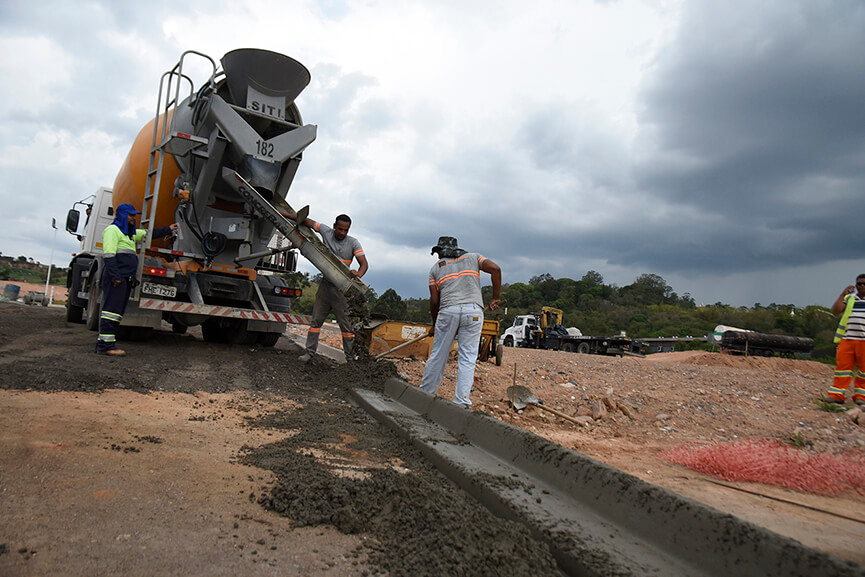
[332,353]
[597,520]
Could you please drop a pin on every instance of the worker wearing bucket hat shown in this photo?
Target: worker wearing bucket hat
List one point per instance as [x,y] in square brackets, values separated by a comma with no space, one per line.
[457,310]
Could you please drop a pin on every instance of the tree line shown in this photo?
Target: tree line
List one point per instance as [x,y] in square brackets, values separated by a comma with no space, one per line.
[646,308]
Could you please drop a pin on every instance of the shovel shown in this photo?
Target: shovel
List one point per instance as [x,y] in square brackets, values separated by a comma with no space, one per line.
[405,344]
[521,397]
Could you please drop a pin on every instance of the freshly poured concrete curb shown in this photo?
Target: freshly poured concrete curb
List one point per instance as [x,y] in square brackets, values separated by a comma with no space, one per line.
[596,519]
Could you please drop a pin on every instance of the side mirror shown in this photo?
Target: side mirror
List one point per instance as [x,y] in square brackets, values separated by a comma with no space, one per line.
[72,218]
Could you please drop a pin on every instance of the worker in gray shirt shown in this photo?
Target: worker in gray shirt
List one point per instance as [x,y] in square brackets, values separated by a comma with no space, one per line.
[329,298]
[457,311]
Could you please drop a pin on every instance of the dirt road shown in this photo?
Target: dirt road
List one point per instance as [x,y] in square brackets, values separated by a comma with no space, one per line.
[193,458]
[186,458]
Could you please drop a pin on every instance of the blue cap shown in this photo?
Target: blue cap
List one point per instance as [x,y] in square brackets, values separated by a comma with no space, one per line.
[127,208]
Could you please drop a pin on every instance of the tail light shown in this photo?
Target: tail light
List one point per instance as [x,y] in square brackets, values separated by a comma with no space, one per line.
[287,292]
[155,271]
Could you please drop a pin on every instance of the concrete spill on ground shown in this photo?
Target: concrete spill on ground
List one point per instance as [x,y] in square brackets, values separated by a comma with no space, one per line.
[418,522]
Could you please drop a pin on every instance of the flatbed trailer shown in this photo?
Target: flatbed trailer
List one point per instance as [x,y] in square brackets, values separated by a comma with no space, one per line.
[545,331]
[607,345]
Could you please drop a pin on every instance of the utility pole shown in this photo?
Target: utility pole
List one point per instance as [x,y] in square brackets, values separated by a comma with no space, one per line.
[51,260]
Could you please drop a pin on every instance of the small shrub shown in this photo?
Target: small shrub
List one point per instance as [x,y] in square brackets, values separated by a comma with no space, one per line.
[798,440]
[824,404]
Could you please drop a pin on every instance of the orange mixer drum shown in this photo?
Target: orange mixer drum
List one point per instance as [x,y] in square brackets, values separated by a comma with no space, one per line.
[132,178]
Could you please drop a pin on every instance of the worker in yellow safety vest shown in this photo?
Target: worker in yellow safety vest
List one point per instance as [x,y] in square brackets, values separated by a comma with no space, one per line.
[120,260]
[850,337]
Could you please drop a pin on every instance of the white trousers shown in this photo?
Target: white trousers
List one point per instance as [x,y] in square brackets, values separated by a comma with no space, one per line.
[463,322]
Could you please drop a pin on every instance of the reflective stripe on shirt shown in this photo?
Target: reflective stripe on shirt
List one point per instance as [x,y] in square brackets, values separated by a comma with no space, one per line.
[856,322]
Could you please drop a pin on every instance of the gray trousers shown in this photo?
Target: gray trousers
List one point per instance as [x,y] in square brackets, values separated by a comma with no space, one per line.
[328,300]
[464,323]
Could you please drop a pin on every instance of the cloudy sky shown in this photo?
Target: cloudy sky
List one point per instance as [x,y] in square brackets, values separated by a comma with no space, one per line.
[720,145]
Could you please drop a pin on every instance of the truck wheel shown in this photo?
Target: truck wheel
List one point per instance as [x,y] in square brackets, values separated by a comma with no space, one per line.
[178,329]
[94,307]
[238,333]
[230,331]
[268,339]
[569,348]
[127,333]
[509,341]
[583,348]
[212,332]
[500,351]
[74,314]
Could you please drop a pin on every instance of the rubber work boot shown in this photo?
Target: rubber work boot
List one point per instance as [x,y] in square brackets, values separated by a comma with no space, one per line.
[113,353]
[834,401]
[304,358]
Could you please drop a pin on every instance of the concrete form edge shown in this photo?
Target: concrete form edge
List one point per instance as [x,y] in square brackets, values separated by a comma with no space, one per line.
[577,474]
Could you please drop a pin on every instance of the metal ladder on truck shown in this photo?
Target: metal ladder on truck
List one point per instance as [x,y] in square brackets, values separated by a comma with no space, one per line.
[166,141]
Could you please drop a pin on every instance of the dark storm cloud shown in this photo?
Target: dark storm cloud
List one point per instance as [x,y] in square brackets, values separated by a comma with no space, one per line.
[759,124]
[101,77]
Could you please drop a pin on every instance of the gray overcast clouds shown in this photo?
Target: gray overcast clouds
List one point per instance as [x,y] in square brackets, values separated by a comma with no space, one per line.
[720,145]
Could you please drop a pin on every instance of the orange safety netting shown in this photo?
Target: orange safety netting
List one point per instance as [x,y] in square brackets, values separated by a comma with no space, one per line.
[773,463]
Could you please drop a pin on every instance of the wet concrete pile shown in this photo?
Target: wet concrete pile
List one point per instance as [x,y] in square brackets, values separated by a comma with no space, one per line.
[421,523]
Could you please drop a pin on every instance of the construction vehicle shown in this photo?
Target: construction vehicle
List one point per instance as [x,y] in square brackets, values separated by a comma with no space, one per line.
[544,330]
[490,345]
[218,160]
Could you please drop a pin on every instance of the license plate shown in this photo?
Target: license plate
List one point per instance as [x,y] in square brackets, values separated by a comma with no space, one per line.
[159,290]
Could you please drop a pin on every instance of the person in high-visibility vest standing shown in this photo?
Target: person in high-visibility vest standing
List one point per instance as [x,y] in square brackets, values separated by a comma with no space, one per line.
[850,337]
[118,276]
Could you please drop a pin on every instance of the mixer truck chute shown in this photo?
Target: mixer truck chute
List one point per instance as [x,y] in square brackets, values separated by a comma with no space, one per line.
[217,160]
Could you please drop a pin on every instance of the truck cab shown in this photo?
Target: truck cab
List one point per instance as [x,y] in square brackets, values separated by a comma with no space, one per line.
[97,208]
[516,334]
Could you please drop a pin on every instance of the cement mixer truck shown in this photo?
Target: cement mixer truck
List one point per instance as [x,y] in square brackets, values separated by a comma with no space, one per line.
[218,159]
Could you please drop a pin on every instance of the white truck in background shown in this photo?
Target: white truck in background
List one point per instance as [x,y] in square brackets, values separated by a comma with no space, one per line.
[544,331]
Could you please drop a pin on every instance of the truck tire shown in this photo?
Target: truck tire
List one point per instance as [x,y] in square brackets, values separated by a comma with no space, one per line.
[229,331]
[127,333]
[509,341]
[239,334]
[268,339]
[94,307]
[569,347]
[212,332]
[500,351]
[583,348]
[74,314]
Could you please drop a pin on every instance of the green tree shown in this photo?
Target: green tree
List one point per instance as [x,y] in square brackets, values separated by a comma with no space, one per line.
[391,305]
[649,289]
[593,278]
[296,279]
